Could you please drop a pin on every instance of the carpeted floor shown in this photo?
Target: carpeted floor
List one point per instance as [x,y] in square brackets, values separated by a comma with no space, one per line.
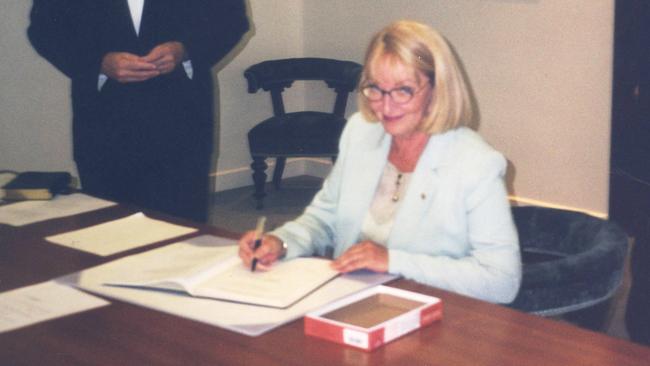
[235,209]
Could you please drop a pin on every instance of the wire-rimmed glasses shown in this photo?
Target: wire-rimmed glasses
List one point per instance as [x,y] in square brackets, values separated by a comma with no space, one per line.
[399,95]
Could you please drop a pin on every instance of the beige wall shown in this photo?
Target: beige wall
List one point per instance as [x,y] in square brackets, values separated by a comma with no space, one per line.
[540,70]
[34,100]
[276,33]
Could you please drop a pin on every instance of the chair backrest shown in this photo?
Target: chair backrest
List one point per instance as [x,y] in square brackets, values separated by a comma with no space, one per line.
[276,75]
[570,260]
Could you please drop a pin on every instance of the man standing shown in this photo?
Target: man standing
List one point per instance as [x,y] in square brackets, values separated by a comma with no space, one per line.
[141,92]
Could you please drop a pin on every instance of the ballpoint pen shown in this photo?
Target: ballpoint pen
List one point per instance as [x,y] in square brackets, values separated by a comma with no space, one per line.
[259,231]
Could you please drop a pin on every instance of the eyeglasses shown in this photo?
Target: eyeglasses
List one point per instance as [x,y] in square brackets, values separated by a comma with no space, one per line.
[399,95]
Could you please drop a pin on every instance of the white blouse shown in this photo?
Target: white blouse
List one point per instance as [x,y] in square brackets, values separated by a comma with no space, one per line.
[388,197]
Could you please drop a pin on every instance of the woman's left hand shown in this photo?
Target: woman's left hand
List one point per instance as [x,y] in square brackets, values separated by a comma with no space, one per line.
[365,254]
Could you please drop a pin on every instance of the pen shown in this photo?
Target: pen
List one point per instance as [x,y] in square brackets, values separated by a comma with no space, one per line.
[259,230]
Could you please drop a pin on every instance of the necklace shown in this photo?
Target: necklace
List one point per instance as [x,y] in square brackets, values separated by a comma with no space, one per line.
[398,182]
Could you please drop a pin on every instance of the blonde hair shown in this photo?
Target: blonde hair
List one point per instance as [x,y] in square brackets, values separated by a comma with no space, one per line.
[423,48]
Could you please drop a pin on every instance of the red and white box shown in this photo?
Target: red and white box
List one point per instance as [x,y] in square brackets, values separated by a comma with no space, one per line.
[373,317]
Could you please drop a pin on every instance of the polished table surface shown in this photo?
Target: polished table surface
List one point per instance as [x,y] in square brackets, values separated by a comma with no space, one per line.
[471,332]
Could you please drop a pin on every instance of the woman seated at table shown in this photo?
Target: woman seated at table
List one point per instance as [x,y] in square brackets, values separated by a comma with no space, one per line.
[413,192]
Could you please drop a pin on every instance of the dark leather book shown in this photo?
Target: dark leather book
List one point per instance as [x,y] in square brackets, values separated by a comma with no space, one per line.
[37,185]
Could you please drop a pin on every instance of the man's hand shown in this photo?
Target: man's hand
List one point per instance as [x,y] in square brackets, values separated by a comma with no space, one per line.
[126,67]
[166,56]
[366,255]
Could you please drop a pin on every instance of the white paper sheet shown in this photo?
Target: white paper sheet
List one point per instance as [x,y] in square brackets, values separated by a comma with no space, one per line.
[246,319]
[44,301]
[119,235]
[29,212]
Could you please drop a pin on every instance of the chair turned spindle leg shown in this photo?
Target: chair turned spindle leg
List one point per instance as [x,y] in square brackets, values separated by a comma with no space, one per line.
[277,173]
[259,178]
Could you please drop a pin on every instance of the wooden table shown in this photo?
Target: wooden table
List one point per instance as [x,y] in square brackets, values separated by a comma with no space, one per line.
[471,333]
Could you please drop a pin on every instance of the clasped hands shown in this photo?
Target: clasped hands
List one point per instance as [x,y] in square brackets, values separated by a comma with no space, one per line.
[363,255]
[126,67]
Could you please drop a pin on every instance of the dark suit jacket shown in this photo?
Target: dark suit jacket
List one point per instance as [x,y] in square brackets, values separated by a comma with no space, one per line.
[162,118]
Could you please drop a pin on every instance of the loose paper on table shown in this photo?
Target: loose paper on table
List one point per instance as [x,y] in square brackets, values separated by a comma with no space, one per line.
[44,301]
[29,212]
[119,235]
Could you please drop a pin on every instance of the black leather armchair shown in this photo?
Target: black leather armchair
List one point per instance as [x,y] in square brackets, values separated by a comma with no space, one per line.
[571,261]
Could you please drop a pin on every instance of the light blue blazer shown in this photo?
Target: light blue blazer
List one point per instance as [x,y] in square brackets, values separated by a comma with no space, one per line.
[454,229]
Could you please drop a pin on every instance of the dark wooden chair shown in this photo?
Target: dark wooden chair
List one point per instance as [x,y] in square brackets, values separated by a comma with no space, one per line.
[301,133]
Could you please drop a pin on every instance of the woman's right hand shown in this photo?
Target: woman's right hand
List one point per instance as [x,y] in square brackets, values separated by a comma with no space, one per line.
[268,252]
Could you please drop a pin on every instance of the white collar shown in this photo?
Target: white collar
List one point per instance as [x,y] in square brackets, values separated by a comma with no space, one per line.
[136,7]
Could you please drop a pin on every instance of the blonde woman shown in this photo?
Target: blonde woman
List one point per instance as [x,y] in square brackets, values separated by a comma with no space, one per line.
[414,191]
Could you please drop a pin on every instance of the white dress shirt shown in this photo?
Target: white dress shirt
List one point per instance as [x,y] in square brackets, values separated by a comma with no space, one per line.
[135,7]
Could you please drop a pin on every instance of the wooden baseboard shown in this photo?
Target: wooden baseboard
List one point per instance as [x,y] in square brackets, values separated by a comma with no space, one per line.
[242,177]
[523,201]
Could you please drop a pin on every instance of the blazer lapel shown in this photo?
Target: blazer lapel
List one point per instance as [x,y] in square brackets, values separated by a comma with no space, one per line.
[358,192]
[147,21]
[123,13]
[118,28]
[422,190]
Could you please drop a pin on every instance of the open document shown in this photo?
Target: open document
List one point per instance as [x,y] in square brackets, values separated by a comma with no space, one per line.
[239,317]
[202,269]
